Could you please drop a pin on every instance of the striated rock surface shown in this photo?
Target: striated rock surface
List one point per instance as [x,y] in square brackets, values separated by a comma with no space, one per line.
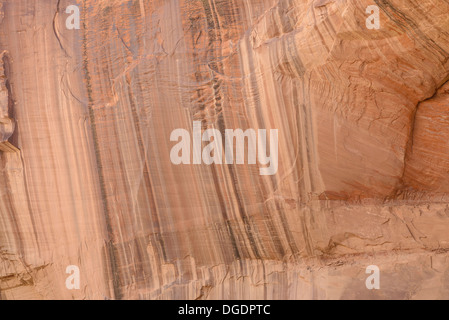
[362,116]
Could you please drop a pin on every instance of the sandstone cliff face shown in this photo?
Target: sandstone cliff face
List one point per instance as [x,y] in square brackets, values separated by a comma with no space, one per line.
[363,128]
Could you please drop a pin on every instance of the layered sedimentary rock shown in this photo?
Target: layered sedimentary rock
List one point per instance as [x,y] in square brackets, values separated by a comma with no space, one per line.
[362,121]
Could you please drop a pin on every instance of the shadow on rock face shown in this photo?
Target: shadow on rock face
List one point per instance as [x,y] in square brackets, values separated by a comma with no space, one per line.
[7,122]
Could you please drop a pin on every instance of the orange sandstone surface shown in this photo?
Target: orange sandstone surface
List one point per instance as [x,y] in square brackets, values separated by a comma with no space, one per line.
[86,177]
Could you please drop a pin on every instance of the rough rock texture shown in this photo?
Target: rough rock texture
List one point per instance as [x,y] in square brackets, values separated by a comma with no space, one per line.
[363,149]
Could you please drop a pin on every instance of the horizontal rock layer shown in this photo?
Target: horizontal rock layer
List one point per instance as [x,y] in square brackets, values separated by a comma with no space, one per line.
[362,121]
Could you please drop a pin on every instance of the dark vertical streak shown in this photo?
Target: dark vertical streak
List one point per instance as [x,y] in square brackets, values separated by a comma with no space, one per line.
[110,241]
[214,36]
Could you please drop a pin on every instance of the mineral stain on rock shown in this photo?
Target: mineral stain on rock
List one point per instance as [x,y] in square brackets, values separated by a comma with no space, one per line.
[362,170]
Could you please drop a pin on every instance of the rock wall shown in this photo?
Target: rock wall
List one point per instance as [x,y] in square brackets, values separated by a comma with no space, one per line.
[362,121]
